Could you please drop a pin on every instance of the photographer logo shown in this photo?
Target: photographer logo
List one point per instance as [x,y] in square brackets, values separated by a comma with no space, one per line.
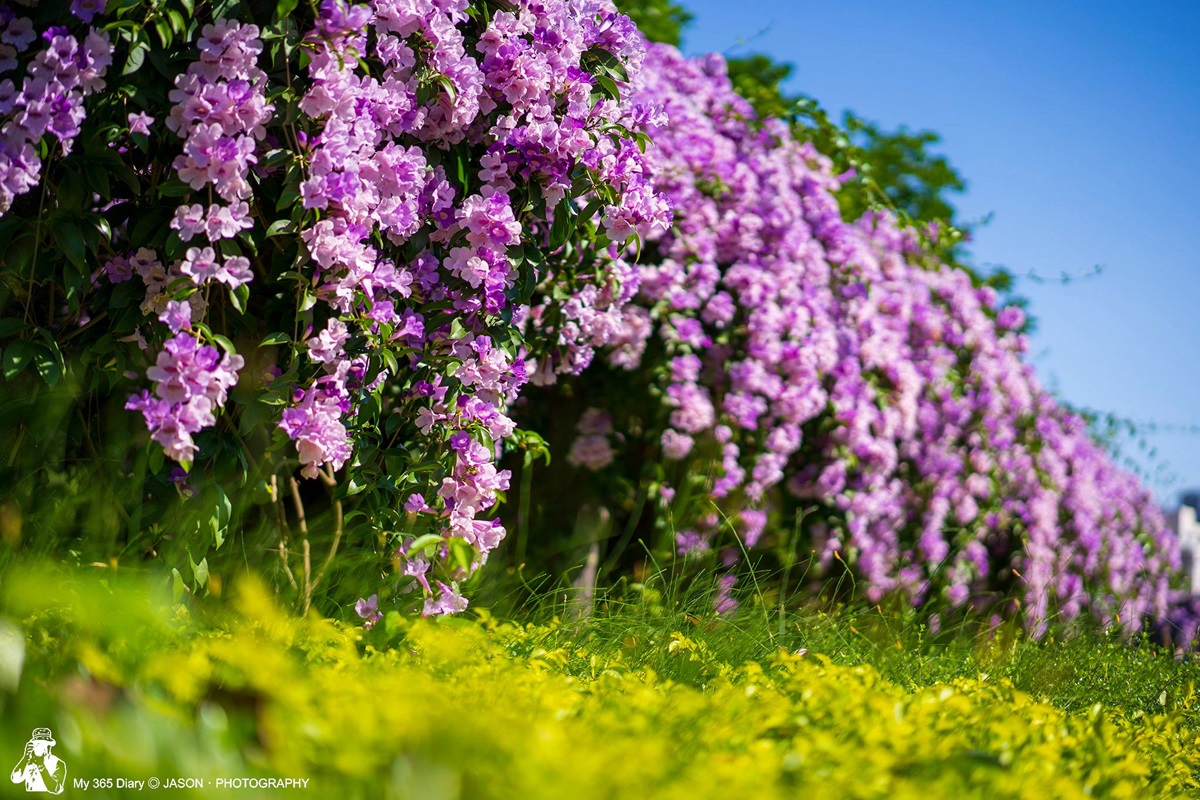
[39,769]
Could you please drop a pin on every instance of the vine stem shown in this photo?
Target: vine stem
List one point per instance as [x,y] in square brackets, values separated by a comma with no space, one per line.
[277,504]
[305,548]
[37,233]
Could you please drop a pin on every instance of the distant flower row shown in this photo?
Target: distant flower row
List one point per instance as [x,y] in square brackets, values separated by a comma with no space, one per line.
[878,388]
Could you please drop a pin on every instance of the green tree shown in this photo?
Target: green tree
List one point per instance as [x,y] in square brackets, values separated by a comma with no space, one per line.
[660,20]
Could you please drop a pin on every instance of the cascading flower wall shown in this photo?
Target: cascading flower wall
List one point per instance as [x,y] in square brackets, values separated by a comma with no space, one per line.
[830,366]
[320,251]
[358,199]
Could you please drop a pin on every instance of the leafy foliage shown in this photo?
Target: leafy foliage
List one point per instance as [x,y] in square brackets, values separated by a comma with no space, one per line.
[658,20]
[645,701]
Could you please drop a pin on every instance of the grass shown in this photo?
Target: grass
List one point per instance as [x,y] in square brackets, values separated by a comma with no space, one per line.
[650,696]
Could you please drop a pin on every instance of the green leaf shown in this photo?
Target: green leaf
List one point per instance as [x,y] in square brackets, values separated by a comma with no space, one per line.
[225,344]
[528,278]
[16,358]
[426,542]
[178,587]
[461,553]
[389,360]
[137,56]
[200,571]
[285,7]
[48,361]
[591,210]
[222,513]
[19,254]
[280,227]
[70,241]
[287,199]
[563,224]
[275,338]
[461,170]
[448,87]
[608,86]
[174,188]
[178,23]
[240,298]
[164,32]
[10,326]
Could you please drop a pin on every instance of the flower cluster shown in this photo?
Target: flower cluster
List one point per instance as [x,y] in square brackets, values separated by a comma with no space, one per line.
[220,110]
[47,100]
[156,277]
[833,359]
[592,448]
[314,421]
[191,382]
[377,178]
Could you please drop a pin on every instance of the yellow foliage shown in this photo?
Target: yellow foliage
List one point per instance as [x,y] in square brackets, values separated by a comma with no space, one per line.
[491,709]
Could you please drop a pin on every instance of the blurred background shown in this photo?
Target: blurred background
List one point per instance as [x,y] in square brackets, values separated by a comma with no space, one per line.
[1073,126]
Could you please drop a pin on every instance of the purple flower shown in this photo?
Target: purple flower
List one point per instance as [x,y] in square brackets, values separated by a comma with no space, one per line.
[118,269]
[327,346]
[691,543]
[86,10]
[592,452]
[176,316]
[140,122]
[193,383]
[235,272]
[368,610]
[200,264]
[225,222]
[724,603]
[448,601]
[676,445]
[189,221]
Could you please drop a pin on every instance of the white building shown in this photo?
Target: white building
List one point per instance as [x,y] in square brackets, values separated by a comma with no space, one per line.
[1186,526]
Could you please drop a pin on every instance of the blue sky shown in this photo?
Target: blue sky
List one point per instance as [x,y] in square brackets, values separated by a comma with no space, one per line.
[1077,127]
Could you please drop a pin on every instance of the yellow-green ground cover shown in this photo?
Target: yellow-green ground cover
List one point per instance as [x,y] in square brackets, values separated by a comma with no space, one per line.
[484,708]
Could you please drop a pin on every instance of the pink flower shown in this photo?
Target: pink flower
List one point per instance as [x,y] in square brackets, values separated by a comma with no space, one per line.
[449,601]
[176,316]
[235,272]
[368,609]
[326,347]
[140,123]
[189,221]
[225,222]
[592,452]
[200,264]
[676,445]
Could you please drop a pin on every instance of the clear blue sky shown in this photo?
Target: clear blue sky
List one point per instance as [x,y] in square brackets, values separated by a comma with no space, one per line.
[1077,126]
